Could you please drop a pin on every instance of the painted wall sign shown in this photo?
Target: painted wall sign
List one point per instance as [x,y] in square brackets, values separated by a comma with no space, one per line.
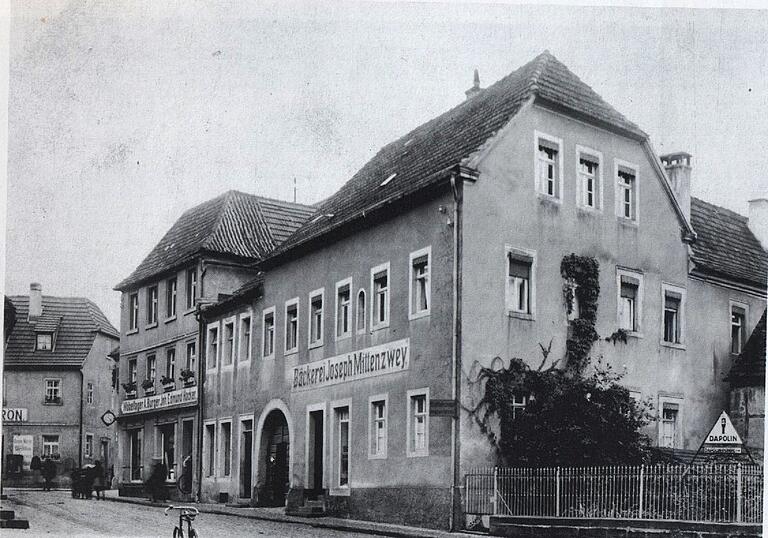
[15,414]
[388,358]
[23,445]
[185,396]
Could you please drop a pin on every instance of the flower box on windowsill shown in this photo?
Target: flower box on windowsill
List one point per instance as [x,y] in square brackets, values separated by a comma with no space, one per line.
[187,378]
[52,401]
[169,383]
[130,394]
[149,391]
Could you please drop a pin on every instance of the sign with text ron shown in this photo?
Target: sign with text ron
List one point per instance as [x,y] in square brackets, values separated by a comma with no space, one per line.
[388,358]
[185,396]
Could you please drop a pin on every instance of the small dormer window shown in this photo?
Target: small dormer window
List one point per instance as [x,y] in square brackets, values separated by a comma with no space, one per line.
[44,342]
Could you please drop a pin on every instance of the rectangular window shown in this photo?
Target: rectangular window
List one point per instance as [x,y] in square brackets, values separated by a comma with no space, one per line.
[245,338]
[135,444]
[377,427]
[292,326]
[548,165]
[738,328]
[518,405]
[674,312]
[134,312]
[626,191]
[151,305]
[229,343]
[419,288]
[51,446]
[629,284]
[191,287]
[268,338]
[343,308]
[316,318]
[44,342]
[669,425]
[170,298]
[380,296]
[191,356]
[89,445]
[132,370]
[361,311]
[589,173]
[418,423]
[342,446]
[212,357]
[210,449]
[53,391]
[151,367]
[519,284]
[170,363]
[89,393]
[226,448]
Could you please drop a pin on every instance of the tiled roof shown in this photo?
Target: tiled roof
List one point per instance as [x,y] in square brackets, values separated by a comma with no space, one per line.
[247,291]
[234,224]
[76,321]
[416,160]
[749,368]
[725,246]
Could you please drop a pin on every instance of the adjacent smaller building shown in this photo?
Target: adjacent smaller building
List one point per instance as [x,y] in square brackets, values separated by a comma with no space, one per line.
[56,386]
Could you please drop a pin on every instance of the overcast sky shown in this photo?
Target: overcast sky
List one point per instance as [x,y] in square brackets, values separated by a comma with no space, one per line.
[122,115]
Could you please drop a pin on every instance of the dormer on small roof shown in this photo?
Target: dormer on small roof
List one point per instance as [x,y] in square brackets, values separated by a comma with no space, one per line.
[46,328]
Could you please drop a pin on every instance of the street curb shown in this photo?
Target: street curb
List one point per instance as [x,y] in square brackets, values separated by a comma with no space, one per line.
[345,525]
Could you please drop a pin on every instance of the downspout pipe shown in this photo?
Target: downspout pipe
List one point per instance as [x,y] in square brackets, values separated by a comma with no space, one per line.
[80,423]
[201,359]
[457,187]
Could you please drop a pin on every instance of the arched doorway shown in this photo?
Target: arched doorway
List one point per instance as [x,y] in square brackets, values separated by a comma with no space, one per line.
[273,478]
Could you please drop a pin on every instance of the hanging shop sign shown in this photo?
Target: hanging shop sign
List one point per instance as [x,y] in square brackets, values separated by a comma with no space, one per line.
[174,398]
[384,359]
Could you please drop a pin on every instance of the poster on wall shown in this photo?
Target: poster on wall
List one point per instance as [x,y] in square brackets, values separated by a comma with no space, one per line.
[23,445]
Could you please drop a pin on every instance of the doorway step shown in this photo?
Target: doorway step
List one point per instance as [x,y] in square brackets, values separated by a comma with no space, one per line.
[310,508]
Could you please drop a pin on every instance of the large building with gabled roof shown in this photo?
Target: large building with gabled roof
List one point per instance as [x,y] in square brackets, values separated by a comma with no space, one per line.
[350,392]
[56,386]
[208,252]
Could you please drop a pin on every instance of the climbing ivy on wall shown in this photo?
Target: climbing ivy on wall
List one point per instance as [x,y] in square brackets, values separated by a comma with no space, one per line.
[581,276]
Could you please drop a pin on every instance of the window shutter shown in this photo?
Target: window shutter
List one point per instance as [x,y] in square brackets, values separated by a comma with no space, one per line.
[548,145]
[519,268]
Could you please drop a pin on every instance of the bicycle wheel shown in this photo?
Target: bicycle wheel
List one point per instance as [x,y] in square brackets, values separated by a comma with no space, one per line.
[178,533]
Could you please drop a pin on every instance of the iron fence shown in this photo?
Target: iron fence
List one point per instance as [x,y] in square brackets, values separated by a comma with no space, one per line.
[711,493]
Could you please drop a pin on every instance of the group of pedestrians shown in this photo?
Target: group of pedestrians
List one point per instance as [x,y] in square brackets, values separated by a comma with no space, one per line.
[87,480]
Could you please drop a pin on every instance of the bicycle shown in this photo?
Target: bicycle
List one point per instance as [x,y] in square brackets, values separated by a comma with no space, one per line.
[188,514]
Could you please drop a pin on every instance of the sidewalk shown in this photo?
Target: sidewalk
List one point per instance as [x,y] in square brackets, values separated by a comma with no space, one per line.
[335,523]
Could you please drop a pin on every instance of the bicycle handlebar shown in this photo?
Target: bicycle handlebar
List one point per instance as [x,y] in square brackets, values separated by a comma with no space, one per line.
[190,508]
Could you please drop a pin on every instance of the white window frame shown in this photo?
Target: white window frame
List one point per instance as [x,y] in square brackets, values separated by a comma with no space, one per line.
[681,314]
[170,352]
[37,341]
[520,253]
[539,188]
[153,307]
[244,355]
[409,451]
[88,450]
[373,307]
[190,288]
[221,452]
[745,331]
[335,462]
[173,296]
[187,365]
[51,444]
[412,257]
[584,151]
[264,313]
[314,294]
[319,406]
[215,325]
[289,303]
[619,202]
[637,275]
[361,315]
[381,455]
[133,312]
[210,464]
[350,319]
[222,337]
[677,442]
[151,363]
[57,387]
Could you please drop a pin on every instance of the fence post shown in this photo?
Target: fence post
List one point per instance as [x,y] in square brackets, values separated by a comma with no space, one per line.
[557,492]
[642,476]
[738,493]
[495,491]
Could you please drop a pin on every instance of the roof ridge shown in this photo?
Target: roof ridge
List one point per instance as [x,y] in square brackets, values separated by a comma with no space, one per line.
[266,227]
[229,196]
[540,64]
[723,208]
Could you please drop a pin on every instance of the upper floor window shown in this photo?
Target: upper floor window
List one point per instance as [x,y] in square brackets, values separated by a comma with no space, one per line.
[380,296]
[245,338]
[361,311]
[268,338]
[738,327]
[343,308]
[213,347]
[229,343]
[548,165]
[52,391]
[520,288]
[170,363]
[132,370]
[589,183]
[626,191]
[191,287]
[89,393]
[134,311]
[673,320]
[316,317]
[292,326]
[151,367]
[191,356]
[170,298]
[151,305]
[629,299]
[44,342]
[419,290]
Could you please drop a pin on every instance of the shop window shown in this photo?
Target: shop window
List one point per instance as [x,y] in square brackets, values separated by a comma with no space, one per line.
[292,326]
[419,290]
[268,338]
[380,296]
[316,318]
[738,327]
[170,298]
[135,439]
[418,423]
[343,308]
[377,427]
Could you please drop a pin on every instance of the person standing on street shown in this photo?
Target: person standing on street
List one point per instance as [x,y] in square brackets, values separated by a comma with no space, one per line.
[49,472]
[99,482]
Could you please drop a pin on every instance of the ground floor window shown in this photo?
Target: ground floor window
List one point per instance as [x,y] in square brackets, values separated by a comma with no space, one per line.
[89,445]
[210,449]
[134,446]
[168,445]
[226,448]
[342,446]
[378,428]
[418,423]
[51,446]
[670,424]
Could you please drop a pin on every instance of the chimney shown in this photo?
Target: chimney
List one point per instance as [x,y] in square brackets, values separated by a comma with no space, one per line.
[678,167]
[35,300]
[758,220]
[475,89]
